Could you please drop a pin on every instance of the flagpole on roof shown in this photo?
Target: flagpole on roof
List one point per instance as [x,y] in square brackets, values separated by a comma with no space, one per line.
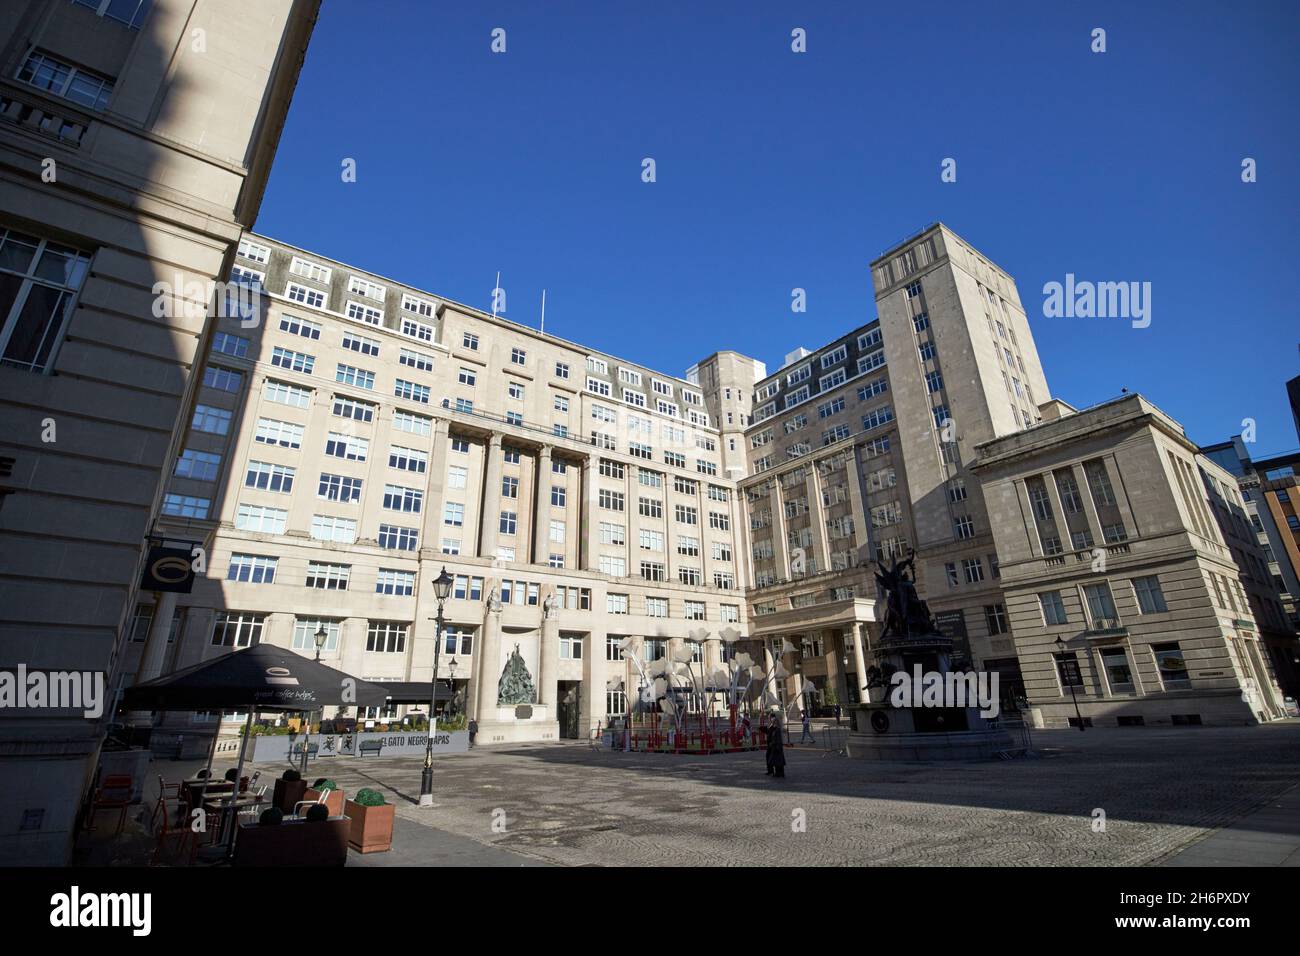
[543,311]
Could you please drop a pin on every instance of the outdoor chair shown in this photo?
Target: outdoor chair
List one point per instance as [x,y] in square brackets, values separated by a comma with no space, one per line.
[113,793]
[321,798]
[171,843]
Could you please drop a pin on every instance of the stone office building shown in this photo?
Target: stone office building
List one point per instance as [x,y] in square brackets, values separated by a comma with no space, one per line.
[1123,592]
[362,434]
[136,137]
[861,451]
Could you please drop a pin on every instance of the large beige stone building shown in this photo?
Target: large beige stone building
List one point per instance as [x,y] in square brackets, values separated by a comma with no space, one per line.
[861,450]
[1123,591]
[135,142]
[363,434]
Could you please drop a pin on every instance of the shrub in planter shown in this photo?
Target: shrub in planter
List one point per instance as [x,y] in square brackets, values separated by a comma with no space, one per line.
[289,789]
[372,822]
[335,799]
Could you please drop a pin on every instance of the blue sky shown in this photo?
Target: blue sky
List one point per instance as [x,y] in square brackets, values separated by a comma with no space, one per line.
[778,170]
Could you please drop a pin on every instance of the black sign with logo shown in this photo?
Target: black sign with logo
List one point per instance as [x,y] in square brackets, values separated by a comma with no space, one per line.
[168,569]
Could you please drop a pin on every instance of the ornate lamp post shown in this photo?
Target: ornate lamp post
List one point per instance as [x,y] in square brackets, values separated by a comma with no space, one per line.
[321,637]
[1060,651]
[451,669]
[441,589]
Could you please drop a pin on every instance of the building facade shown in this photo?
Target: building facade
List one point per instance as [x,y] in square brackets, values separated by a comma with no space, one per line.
[861,450]
[1144,619]
[359,435]
[135,141]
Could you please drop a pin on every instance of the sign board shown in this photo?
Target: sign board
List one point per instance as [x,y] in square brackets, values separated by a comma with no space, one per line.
[168,569]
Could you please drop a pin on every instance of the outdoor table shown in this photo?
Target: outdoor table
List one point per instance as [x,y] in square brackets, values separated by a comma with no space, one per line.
[222,805]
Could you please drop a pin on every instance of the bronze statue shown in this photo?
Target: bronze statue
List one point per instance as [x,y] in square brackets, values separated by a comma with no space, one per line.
[516,684]
[906,615]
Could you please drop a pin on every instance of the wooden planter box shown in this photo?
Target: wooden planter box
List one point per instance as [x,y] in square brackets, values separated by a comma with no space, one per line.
[372,827]
[334,801]
[287,793]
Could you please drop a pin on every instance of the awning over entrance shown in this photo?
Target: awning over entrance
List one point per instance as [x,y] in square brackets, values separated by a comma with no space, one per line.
[831,614]
[412,692]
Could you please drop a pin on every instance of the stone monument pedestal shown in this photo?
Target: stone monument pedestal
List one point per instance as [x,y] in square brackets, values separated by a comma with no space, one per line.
[522,723]
[884,732]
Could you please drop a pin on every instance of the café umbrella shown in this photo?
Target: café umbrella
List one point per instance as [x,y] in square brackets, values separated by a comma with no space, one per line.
[261,678]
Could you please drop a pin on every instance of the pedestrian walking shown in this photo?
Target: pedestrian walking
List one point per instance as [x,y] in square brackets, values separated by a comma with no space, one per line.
[807,729]
[473,732]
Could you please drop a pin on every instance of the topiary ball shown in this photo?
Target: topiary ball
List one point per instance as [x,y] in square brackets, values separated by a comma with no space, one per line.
[368,797]
[317,812]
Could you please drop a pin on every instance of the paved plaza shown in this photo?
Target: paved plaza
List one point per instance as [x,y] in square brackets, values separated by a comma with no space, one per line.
[1162,792]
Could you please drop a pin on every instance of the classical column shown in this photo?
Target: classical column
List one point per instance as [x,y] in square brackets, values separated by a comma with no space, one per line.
[155,648]
[489,666]
[542,525]
[859,661]
[490,517]
[548,659]
[590,509]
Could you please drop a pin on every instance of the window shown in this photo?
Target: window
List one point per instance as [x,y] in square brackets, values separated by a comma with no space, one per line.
[408,459]
[612,533]
[1067,670]
[516,391]
[363,313]
[973,569]
[269,477]
[656,607]
[518,356]
[417,330]
[1101,608]
[260,518]
[466,376]
[950,572]
[877,417]
[328,577]
[651,540]
[411,391]
[402,498]
[456,476]
[304,634]
[653,571]
[927,351]
[415,424]
[252,569]
[199,465]
[397,538]
[470,341]
[695,611]
[214,421]
[350,375]
[995,616]
[963,527]
[870,361]
[360,343]
[453,514]
[611,500]
[63,79]
[330,528]
[689,575]
[1151,600]
[398,583]
[348,447]
[570,646]
[561,403]
[509,521]
[561,370]
[339,488]
[650,508]
[616,603]
[272,432]
[386,637]
[419,306]
[613,566]
[1053,608]
[300,293]
[827,409]
[238,629]
[557,535]
[1171,665]
[1118,673]
[353,409]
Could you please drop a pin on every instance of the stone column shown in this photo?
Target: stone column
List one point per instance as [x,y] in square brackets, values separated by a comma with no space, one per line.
[590,524]
[548,663]
[542,524]
[489,665]
[155,648]
[490,517]
[859,661]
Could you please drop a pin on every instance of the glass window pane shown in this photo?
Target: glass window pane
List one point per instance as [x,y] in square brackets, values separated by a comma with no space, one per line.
[34,333]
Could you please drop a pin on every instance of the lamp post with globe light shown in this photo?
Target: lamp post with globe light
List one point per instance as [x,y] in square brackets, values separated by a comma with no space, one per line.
[442,590]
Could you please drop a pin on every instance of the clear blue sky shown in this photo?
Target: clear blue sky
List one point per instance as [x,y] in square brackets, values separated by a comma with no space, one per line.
[779,170]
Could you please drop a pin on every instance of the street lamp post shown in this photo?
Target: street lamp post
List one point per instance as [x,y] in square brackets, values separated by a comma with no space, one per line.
[441,589]
[451,669]
[320,637]
[1060,650]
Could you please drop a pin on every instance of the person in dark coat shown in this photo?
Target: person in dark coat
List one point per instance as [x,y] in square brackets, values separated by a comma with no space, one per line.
[775,748]
[473,731]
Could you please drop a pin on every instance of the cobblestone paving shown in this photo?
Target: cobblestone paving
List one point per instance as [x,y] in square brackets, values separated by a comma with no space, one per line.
[567,804]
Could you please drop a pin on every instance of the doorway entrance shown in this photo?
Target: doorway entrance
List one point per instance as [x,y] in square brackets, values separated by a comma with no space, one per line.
[569,709]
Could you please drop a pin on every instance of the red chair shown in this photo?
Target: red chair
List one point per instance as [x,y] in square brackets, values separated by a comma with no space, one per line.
[114,793]
[181,838]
